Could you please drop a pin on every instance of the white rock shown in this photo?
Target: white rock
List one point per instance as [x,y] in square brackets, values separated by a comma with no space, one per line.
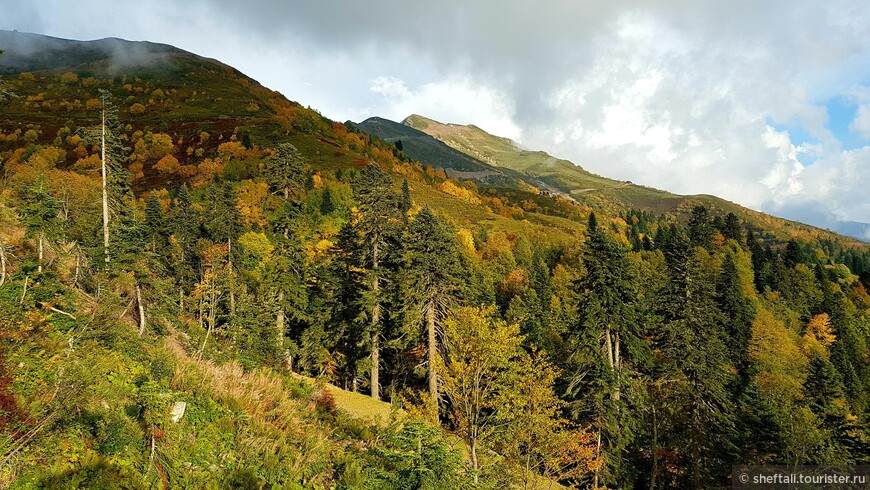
[176,411]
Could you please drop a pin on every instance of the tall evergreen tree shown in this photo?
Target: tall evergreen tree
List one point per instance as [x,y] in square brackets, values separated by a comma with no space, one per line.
[117,195]
[184,230]
[223,222]
[154,222]
[379,209]
[695,360]
[738,311]
[606,344]
[285,276]
[347,309]
[39,214]
[327,206]
[700,227]
[285,170]
[731,228]
[432,281]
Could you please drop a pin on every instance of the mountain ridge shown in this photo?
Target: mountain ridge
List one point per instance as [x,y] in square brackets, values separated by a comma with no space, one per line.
[581,184]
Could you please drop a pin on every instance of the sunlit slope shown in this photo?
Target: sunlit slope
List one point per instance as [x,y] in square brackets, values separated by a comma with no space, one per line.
[601,193]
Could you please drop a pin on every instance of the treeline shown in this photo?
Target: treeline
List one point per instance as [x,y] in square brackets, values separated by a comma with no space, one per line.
[646,353]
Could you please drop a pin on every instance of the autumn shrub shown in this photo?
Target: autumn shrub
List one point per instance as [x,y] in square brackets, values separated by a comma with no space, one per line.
[324,402]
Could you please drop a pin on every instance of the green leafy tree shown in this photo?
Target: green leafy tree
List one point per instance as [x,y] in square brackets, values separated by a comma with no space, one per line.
[477,372]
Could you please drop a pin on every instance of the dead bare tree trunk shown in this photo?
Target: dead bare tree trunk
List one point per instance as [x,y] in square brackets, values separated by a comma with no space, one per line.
[281,328]
[141,306]
[104,172]
[40,246]
[2,264]
[376,319]
[433,351]
[24,293]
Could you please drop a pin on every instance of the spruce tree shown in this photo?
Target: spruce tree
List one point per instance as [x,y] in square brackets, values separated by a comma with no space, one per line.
[285,170]
[694,358]
[731,228]
[700,227]
[285,275]
[39,214]
[432,281]
[738,311]
[326,205]
[154,222]
[379,208]
[605,344]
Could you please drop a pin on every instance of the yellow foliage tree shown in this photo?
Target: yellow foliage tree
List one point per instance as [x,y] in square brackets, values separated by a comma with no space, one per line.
[250,196]
[167,165]
[482,350]
[819,336]
[774,351]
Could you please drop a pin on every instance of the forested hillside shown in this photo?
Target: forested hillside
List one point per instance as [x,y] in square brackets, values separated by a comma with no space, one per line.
[233,245]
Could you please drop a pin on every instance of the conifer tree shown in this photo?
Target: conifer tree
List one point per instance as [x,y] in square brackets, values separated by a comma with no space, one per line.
[731,228]
[39,214]
[154,222]
[695,359]
[379,209]
[738,311]
[184,230]
[326,205]
[285,170]
[117,196]
[432,282]
[285,274]
[347,284]
[700,227]
[607,332]
[224,223]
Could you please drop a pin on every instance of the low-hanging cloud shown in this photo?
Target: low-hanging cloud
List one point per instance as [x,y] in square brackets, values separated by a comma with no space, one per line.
[694,97]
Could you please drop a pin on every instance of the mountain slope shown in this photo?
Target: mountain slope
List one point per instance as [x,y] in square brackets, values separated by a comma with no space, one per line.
[599,192]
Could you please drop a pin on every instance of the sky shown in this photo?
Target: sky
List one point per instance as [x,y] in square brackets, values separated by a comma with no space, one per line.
[763,103]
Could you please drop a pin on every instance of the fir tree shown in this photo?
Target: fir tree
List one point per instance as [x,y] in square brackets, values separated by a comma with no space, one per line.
[285,170]
[432,281]
[737,309]
[731,228]
[379,207]
[606,344]
[326,205]
[700,227]
[154,222]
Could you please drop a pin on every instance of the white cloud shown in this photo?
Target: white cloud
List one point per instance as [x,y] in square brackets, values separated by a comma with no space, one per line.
[456,99]
[861,124]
